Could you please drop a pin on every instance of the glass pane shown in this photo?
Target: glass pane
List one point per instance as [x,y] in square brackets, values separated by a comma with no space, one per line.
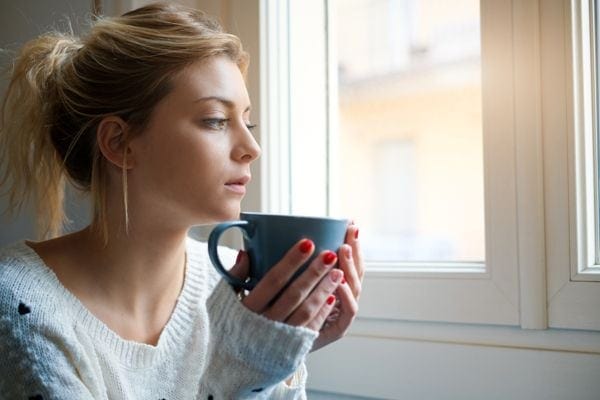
[410,140]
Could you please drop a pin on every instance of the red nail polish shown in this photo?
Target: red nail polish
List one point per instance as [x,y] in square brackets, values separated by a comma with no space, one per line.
[356,234]
[330,299]
[239,256]
[329,258]
[306,246]
[343,280]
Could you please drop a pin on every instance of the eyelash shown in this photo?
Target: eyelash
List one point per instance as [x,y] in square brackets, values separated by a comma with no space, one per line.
[220,123]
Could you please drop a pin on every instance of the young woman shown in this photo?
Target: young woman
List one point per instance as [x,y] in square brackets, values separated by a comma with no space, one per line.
[150,114]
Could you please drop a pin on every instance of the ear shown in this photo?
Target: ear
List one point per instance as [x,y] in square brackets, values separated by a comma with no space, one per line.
[113,143]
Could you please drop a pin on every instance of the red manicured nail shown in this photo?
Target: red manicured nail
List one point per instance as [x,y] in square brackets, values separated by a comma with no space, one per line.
[330,299]
[343,280]
[329,258]
[356,234]
[306,246]
[239,256]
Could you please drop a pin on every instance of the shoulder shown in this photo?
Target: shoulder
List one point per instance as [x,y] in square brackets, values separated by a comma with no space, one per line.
[27,287]
[18,274]
[34,328]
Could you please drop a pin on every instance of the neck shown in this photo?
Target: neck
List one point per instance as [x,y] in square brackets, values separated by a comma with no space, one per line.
[136,271]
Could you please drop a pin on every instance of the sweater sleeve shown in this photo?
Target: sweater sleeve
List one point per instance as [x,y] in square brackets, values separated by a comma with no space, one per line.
[251,356]
[36,361]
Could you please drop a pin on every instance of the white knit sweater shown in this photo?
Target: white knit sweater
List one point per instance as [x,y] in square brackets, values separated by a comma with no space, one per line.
[52,347]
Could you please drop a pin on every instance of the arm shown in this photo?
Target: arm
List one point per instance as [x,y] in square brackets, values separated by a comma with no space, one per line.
[35,365]
[249,355]
[259,335]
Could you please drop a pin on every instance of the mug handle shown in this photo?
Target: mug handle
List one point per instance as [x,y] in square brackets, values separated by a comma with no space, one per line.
[213,242]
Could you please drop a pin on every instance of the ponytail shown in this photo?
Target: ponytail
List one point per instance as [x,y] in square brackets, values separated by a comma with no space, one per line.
[32,169]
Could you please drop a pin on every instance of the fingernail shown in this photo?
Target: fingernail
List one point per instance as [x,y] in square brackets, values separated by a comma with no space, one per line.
[356,234]
[306,246]
[336,275]
[329,258]
[330,299]
[343,281]
[239,256]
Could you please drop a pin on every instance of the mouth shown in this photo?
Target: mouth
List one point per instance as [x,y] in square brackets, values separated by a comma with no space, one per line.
[238,185]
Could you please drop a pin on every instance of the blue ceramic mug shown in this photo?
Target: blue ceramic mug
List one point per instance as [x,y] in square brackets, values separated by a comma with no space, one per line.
[267,237]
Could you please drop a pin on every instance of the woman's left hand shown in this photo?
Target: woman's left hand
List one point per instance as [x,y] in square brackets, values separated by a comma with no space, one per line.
[351,262]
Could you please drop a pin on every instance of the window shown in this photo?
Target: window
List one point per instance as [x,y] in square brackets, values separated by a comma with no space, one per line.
[538,267]
[585,143]
[306,167]
[571,141]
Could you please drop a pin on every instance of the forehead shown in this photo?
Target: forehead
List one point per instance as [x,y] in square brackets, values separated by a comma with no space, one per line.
[214,77]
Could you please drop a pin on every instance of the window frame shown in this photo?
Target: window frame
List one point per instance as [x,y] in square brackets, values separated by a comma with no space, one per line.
[583,145]
[471,292]
[573,290]
[527,98]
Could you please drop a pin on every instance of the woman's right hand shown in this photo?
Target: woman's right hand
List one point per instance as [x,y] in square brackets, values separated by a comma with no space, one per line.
[308,300]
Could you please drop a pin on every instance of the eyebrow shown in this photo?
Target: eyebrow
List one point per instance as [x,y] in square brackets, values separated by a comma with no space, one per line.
[226,102]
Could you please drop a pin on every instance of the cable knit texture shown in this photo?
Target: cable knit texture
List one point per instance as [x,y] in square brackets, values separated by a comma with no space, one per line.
[52,347]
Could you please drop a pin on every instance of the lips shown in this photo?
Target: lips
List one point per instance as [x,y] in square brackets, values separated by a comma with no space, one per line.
[238,185]
[239,181]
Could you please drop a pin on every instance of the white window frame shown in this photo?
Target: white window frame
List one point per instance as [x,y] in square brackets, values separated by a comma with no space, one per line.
[573,287]
[529,170]
[468,293]
[582,145]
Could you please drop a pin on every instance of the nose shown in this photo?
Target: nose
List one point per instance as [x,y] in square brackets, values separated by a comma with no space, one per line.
[246,149]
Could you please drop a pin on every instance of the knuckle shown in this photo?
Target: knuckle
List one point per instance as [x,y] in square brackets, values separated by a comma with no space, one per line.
[347,250]
[275,279]
[303,314]
[357,289]
[314,272]
[294,295]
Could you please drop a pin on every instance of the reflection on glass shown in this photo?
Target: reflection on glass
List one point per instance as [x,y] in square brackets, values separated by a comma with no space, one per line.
[410,142]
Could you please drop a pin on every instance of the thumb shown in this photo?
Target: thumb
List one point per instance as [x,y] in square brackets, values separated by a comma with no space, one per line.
[240,269]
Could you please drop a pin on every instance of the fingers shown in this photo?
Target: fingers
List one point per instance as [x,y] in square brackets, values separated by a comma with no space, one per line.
[348,309]
[322,315]
[300,289]
[276,279]
[349,267]
[352,240]
[313,304]
[241,268]
[337,328]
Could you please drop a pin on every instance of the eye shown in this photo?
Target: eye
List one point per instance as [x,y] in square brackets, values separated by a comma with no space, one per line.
[217,124]
[250,126]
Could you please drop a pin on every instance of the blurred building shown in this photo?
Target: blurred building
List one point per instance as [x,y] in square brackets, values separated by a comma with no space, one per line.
[410,139]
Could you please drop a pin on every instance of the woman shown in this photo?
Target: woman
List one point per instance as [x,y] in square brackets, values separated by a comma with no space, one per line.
[150,114]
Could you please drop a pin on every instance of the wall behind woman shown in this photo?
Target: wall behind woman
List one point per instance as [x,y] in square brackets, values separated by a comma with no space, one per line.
[20,21]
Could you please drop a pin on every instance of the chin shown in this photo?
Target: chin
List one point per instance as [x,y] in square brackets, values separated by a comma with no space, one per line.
[230,214]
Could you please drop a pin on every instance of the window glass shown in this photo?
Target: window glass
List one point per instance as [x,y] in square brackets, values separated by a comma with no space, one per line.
[410,139]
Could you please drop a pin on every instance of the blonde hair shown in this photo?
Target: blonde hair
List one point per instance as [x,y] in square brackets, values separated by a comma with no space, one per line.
[62,87]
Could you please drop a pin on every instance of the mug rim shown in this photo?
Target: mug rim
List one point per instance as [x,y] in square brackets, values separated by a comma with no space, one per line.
[313,217]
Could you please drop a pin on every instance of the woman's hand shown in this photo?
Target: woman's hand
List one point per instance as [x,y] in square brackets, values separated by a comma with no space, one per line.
[308,300]
[322,298]
[346,307]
